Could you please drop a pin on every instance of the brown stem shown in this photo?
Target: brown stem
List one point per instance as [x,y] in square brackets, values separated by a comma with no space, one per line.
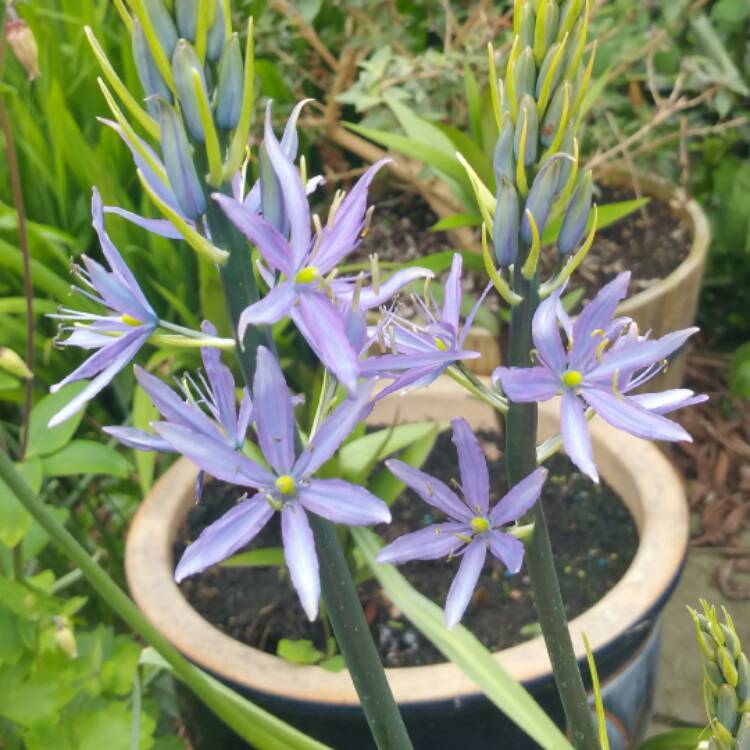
[23,241]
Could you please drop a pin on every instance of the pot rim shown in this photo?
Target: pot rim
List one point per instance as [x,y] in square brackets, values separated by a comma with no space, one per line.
[636,469]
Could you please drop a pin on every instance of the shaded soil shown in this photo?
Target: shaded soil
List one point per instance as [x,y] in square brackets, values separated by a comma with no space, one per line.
[651,243]
[593,536]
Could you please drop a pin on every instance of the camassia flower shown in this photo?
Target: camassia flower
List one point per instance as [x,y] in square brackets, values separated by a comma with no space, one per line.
[287,486]
[604,360]
[422,352]
[117,337]
[305,262]
[215,392]
[474,526]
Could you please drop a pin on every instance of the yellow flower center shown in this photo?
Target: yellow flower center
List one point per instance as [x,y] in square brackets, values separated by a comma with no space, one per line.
[572,378]
[285,484]
[307,275]
[479,524]
[129,320]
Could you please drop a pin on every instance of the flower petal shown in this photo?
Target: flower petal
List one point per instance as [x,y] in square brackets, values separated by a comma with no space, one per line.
[340,239]
[105,364]
[269,241]
[517,501]
[321,324]
[546,334]
[160,227]
[419,377]
[524,384]
[138,439]
[398,362]
[368,297]
[667,401]
[431,490]
[224,537]
[334,430]
[475,479]
[462,587]
[452,302]
[343,502]
[431,543]
[507,549]
[596,315]
[626,415]
[276,305]
[273,412]
[221,380]
[575,434]
[293,192]
[215,457]
[299,552]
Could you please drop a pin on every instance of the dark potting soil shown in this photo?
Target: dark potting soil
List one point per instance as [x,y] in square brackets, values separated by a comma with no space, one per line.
[651,243]
[593,536]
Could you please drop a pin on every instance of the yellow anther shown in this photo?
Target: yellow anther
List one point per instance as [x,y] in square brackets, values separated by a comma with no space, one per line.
[479,524]
[285,484]
[129,320]
[303,170]
[572,378]
[603,344]
[598,332]
[615,389]
[306,275]
[465,538]
[441,345]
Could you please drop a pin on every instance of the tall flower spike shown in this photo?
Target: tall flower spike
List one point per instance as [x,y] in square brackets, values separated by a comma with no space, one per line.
[473,527]
[423,353]
[604,361]
[288,486]
[116,337]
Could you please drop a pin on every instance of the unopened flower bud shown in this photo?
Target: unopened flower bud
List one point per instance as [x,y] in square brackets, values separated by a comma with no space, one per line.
[503,159]
[185,60]
[151,79]
[272,201]
[525,74]
[21,39]
[528,118]
[229,86]
[217,33]
[546,31]
[64,637]
[743,678]
[726,707]
[577,215]
[571,11]
[554,113]
[526,27]
[567,147]
[186,12]
[506,223]
[545,69]
[12,363]
[163,25]
[540,199]
[743,733]
[178,162]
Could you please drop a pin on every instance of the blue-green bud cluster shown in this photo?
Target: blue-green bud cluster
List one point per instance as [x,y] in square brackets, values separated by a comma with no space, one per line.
[538,113]
[726,679]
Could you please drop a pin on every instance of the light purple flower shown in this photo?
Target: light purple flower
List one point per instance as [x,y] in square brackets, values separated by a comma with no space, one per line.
[423,352]
[117,337]
[285,484]
[473,527]
[214,393]
[300,261]
[605,358]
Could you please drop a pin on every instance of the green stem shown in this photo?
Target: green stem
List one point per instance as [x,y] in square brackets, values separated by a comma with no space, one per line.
[338,590]
[521,460]
[249,721]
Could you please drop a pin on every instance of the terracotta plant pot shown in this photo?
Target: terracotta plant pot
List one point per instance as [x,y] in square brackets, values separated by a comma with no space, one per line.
[668,305]
[442,707]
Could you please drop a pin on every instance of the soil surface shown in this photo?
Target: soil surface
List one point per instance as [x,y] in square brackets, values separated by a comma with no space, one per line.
[593,536]
[651,243]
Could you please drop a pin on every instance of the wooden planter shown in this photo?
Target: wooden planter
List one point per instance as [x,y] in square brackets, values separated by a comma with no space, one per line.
[441,706]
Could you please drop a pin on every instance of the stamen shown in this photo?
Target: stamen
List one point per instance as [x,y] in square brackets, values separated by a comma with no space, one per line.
[303,169]
[375,273]
[335,205]
[285,484]
[318,225]
[465,538]
[368,221]
[615,389]
[129,320]
[603,344]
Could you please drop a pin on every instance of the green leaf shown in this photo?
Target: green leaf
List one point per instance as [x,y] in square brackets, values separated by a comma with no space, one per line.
[298,652]
[15,521]
[739,371]
[474,103]
[608,215]
[457,221]
[334,664]
[86,457]
[309,9]
[359,456]
[463,649]
[675,739]
[44,440]
[263,557]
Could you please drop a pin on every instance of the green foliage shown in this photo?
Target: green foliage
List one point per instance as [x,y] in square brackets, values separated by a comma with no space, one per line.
[739,371]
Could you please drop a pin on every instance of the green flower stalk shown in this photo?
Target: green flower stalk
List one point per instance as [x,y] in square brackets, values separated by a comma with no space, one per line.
[726,679]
